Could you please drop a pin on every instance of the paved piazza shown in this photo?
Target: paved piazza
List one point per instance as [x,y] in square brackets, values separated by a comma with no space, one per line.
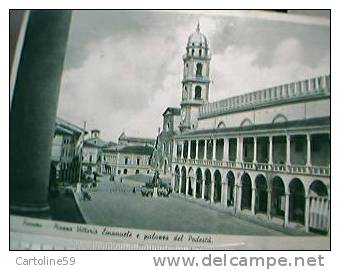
[114,204]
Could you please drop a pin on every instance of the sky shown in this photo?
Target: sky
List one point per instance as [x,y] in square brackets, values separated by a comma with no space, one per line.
[124,68]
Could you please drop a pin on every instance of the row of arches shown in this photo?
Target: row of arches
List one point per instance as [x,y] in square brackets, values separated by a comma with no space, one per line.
[272,197]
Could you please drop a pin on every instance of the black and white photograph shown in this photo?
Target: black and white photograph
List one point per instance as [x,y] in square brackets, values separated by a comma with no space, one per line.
[186,129]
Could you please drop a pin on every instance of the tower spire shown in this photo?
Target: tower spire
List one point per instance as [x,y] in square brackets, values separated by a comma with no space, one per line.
[198,26]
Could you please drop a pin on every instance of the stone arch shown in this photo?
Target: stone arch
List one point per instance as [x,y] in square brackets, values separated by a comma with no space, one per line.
[191,181]
[231,186]
[177,176]
[318,206]
[246,122]
[217,186]
[278,192]
[221,124]
[183,180]
[297,201]
[246,191]
[207,188]
[261,194]
[279,118]
[199,182]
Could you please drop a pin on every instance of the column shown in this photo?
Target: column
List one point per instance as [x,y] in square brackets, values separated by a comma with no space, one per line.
[307,207]
[226,149]
[214,149]
[286,210]
[36,91]
[180,183]
[270,150]
[205,150]
[224,197]
[212,191]
[239,149]
[196,155]
[309,158]
[239,197]
[269,203]
[187,185]
[288,150]
[253,197]
[189,149]
[194,189]
[203,188]
[255,150]
[174,150]
[182,149]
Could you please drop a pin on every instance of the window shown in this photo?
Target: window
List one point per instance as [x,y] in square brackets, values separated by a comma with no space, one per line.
[90,158]
[199,70]
[137,171]
[192,52]
[198,92]
[126,160]
[200,52]
[138,161]
[168,126]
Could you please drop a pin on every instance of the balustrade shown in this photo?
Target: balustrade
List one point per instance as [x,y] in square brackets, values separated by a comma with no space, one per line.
[282,92]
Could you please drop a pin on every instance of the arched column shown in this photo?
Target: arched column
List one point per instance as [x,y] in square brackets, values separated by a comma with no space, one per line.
[180,182]
[224,196]
[307,207]
[212,190]
[203,188]
[269,203]
[253,196]
[187,185]
[286,209]
[194,187]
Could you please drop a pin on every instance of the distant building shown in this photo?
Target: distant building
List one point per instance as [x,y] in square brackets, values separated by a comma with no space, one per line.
[130,156]
[92,150]
[64,159]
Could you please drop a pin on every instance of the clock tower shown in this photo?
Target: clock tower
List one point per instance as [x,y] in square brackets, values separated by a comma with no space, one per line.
[195,83]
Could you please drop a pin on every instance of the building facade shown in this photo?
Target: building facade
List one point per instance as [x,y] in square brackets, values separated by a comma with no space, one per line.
[130,156]
[92,152]
[64,158]
[264,154]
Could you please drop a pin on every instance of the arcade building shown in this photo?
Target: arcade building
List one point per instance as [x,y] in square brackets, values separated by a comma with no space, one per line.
[264,154]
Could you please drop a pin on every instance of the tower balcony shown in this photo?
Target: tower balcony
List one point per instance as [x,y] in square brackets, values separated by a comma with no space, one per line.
[200,79]
[196,57]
